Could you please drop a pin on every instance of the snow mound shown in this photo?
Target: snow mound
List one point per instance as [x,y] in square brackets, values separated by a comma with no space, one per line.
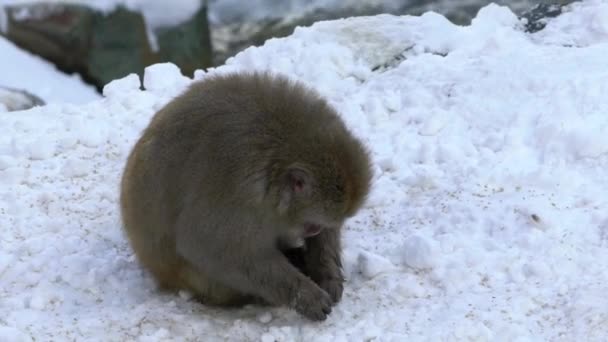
[581,24]
[488,218]
[164,76]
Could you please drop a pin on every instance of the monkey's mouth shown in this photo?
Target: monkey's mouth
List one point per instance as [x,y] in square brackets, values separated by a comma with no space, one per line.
[312,230]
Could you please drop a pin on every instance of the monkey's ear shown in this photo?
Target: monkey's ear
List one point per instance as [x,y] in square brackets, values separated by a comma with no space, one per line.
[296,184]
[298,181]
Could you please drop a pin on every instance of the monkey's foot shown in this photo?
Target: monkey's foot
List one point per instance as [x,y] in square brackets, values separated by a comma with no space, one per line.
[334,287]
[313,303]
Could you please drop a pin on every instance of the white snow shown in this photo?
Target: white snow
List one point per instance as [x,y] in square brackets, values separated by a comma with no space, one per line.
[128,84]
[164,76]
[418,252]
[22,70]
[371,265]
[488,218]
[572,28]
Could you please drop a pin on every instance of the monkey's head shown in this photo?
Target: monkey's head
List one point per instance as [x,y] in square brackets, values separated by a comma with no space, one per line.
[318,196]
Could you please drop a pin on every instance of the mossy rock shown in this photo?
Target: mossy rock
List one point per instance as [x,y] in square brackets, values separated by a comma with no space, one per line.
[106,46]
[188,44]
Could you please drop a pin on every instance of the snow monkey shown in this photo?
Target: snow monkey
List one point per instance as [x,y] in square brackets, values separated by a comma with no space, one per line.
[237,191]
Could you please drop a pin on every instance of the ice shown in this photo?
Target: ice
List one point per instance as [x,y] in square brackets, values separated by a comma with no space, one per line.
[163,76]
[418,252]
[185,295]
[125,85]
[41,149]
[268,338]
[371,265]
[584,23]
[492,17]
[6,162]
[9,334]
[488,217]
[75,168]
[265,317]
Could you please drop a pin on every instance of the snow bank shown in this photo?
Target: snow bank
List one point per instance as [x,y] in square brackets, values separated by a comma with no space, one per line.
[586,23]
[22,70]
[488,218]
[232,11]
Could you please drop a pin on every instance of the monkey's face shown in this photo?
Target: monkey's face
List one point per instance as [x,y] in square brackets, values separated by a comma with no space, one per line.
[308,207]
[308,219]
[295,236]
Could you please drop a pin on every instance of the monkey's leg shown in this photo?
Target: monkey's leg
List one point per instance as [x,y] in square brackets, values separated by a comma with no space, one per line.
[296,258]
[277,281]
[262,272]
[324,262]
[209,291]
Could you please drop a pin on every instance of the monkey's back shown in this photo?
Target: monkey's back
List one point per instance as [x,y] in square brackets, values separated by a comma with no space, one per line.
[215,146]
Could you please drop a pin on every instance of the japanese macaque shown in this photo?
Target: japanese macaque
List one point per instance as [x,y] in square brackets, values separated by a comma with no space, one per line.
[237,191]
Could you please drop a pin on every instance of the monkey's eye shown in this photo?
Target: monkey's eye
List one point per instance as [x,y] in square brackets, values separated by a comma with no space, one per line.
[298,185]
[298,181]
[339,188]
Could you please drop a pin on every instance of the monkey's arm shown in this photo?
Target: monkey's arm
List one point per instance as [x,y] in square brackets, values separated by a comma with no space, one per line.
[324,262]
[243,262]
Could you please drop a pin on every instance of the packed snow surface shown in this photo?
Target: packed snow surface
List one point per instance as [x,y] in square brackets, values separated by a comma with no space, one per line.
[488,218]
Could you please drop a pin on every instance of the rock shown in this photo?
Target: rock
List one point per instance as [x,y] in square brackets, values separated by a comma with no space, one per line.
[536,18]
[59,33]
[188,45]
[163,77]
[233,34]
[229,39]
[17,99]
[126,85]
[106,46]
[418,252]
[118,46]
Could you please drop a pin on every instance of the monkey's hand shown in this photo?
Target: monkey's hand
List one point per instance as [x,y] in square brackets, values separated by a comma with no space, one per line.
[324,263]
[313,302]
[333,285]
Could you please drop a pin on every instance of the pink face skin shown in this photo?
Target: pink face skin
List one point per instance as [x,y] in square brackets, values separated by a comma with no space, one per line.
[296,237]
[311,230]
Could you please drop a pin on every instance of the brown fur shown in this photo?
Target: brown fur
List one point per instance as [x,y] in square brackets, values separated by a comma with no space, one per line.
[226,180]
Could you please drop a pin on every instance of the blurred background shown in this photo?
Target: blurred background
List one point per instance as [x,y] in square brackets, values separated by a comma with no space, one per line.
[66,51]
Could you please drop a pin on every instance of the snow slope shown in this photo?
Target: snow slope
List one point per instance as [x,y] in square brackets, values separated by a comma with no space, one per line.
[488,218]
[22,70]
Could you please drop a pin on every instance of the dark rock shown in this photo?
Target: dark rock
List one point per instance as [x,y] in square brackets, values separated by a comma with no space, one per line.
[537,17]
[106,46]
[118,45]
[59,33]
[232,38]
[18,99]
[235,36]
[188,44]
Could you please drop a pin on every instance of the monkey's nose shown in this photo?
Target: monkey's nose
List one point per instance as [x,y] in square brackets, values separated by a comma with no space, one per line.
[312,230]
